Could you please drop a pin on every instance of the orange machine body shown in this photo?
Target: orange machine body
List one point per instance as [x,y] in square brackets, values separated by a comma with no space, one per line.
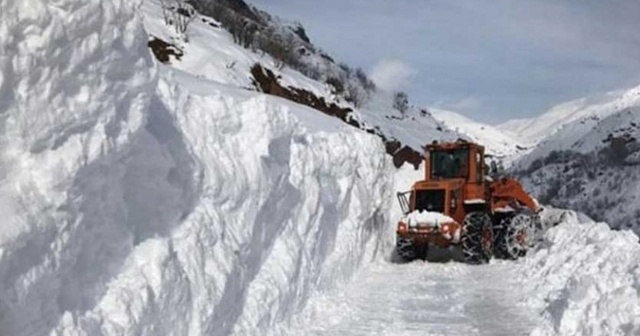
[456,183]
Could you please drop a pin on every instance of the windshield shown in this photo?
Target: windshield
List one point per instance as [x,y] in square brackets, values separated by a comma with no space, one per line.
[449,163]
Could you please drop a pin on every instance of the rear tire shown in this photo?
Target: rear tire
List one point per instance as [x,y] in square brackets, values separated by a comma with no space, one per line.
[477,238]
[518,233]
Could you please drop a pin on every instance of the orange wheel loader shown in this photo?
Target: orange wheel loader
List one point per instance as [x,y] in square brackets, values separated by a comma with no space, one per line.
[458,205]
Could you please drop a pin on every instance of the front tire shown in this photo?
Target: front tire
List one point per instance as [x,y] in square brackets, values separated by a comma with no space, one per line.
[408,250]
[477,238]
[518,234]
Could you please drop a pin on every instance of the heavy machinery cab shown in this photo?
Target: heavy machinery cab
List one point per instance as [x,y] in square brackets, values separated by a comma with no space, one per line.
[449,161]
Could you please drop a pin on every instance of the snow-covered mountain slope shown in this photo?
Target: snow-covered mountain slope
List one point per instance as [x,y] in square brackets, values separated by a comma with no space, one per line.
[584,110]
[138,199]
[498,143]
[415,127]
[212,54]
[588,135]
[590,165]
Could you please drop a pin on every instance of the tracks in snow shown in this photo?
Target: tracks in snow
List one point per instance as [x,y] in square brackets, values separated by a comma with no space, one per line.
[422,299]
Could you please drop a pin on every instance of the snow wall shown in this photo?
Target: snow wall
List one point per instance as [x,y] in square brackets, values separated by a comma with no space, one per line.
[137,200]
[583,278]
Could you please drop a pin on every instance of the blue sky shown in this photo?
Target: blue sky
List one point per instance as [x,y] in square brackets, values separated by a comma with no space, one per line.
[492,60]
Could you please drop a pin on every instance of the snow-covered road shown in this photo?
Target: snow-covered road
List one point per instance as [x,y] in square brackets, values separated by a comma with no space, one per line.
[582,279]
[424,298]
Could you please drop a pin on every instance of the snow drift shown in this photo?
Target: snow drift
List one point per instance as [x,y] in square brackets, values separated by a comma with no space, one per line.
[138,200]
[584,279]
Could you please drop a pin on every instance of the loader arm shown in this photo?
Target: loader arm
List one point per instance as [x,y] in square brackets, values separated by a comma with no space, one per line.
[506,191]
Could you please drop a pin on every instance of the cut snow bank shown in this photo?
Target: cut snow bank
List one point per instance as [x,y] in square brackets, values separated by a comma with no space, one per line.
[284,209]
[587,279]
[75,85]
[134,205]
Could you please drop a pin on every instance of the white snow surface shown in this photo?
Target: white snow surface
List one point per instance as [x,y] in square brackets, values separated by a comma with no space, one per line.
[588,135]
[581,110]
[582,279]
[503,145]
[426,218]
[594,183]
[580,167]
[422,298]
[211,54]
[143,199]
[75,88]
[283,209]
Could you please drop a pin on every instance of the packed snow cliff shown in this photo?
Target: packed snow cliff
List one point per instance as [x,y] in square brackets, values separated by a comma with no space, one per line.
[75,92]
[140,200]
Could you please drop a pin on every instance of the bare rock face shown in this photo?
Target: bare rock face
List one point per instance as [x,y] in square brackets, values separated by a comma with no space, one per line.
[266,81]
[163,51]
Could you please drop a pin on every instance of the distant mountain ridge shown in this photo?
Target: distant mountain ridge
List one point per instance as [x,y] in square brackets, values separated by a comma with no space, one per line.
[590,161]
[500,144]
[596,107]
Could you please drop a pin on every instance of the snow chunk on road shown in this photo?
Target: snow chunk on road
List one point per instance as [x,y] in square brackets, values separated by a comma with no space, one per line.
[588,280]
[426,219]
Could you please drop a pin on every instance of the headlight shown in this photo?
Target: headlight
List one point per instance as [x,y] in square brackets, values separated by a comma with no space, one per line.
[402,227]
[451,231]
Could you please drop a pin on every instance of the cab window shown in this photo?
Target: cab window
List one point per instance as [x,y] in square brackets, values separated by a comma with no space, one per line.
[449,163]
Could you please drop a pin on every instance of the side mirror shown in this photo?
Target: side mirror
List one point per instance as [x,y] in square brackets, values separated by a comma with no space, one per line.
[494,168]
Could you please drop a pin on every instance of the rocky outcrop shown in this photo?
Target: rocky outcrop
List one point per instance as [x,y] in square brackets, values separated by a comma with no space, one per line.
[266,81]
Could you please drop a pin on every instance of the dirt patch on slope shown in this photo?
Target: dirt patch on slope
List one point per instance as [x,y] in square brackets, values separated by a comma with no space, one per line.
[163,50]
[266,81]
